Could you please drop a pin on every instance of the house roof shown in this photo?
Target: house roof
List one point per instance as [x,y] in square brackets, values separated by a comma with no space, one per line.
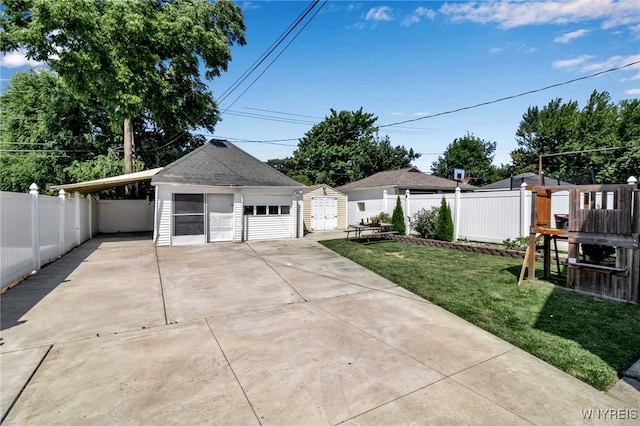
[409,178]
[92,186]
[529,178]
[221,163]
[311,188]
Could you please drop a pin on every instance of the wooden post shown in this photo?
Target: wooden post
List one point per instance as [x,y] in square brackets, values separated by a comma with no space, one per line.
[532,238]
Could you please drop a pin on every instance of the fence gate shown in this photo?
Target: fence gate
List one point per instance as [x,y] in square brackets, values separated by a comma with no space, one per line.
[324,213]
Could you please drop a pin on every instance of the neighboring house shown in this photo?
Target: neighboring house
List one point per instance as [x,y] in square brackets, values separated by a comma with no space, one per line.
[377,193]
[514,182]
[220,193]
[324,208]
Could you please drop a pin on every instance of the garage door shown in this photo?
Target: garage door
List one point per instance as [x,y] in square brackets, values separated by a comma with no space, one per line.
[324,213]
[220,217]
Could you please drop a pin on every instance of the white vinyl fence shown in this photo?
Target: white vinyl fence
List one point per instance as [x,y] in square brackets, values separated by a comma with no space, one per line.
[36,229]
[490,216]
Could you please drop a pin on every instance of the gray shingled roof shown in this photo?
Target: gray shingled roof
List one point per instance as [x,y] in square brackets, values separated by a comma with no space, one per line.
[528,177]
[409,178]
[221,163]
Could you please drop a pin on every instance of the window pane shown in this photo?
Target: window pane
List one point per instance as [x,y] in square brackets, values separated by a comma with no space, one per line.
[261,209]
[188,225]
[248,210]
[285,209]
[273,209]
[188,203]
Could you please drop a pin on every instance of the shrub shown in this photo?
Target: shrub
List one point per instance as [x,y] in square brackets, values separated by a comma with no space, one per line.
[520,243]
[382,218]
[424,222]
[397,220]
[444,223]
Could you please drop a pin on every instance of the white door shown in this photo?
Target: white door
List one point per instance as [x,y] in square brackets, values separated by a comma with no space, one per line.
[324,213]
[220,215]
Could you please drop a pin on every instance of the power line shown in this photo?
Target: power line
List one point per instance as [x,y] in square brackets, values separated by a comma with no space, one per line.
[279,54]
[269,51]
[258,62]
[513,96]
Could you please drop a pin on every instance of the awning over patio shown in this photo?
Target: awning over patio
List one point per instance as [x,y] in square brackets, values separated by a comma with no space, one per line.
[97,185]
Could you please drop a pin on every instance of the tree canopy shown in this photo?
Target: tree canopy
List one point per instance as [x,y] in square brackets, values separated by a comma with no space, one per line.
[470,153]
[600,142]
[138,58]
[341,149]
[46,129]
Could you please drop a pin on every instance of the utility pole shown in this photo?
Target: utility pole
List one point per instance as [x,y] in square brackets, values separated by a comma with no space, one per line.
[128,146]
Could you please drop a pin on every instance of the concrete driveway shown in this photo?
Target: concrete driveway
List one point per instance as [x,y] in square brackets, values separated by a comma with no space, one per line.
[271,332]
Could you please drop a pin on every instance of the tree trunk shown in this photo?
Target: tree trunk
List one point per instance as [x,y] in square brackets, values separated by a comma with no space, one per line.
[129,190]
[128,146]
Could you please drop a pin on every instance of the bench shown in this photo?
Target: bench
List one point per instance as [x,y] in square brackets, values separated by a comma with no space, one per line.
[600,268]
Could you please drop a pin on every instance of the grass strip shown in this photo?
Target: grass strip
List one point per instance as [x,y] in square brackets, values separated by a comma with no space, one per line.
[592,339]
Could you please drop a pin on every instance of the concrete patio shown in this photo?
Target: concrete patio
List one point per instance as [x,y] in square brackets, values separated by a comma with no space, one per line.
[272,332]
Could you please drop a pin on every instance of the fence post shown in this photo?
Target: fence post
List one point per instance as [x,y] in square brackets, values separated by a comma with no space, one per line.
[456,214]
[77,221]
[407,207]
[523,210]
[35,227]
[384,201]
[61,197]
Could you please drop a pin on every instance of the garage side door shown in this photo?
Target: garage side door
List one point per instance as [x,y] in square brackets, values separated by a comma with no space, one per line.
[220,217]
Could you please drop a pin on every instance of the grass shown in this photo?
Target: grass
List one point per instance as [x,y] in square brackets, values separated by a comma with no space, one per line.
[592,339]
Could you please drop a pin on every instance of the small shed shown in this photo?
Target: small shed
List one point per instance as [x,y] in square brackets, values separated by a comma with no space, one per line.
[218,192]
[325,208]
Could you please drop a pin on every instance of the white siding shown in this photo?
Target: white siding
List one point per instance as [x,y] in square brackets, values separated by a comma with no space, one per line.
[162,229]
[246,227]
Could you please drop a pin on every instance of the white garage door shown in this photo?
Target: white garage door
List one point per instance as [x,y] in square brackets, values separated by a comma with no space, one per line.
[324,213]
[220,214]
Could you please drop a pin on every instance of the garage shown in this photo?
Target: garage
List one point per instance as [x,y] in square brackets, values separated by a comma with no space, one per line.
[220,193]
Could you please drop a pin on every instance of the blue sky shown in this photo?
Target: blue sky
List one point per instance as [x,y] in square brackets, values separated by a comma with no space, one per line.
[405,60]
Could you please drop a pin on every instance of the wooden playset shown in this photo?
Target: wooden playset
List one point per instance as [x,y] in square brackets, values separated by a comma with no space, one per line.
[603,223]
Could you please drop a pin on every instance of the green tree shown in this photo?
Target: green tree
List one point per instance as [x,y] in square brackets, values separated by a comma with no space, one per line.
[472,154]
[397,218]
[343,148]
[136,57]
[444,223]
[581,134]
[44,128]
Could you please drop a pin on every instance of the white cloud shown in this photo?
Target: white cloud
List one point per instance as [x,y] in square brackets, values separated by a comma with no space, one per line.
[397,113]
[633,92]
[417,15]
[421,114]
[567,37]
[511,14]
[247,5]
[613,62]
[571,63]
[496,50]
[18,59]
[382,13]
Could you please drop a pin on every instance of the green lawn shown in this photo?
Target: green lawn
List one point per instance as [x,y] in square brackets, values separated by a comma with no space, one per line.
[592,339]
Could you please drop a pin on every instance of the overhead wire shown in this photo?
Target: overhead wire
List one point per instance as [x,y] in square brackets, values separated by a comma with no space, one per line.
[258,62]
[267,53]
[281,52]
[511,97]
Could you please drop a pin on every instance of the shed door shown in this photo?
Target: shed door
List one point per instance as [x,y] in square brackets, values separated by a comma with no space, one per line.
[324,213]
[220,214]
